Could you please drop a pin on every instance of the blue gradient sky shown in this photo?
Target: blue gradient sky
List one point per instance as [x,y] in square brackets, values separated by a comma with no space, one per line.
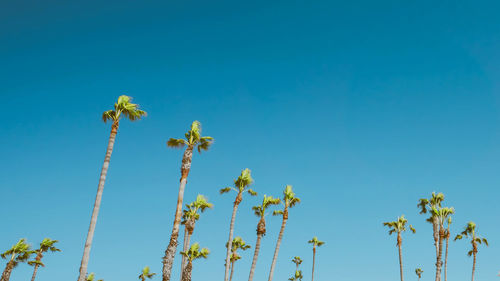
[363,107]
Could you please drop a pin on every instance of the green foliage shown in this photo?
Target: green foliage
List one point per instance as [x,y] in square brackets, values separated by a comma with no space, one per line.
[241,184]
[427,205]
[91,277]
[194,252]
[125,107]
[470,232]
[20,252]
[145,274]
[46,245]
[419,272]
[193,139]
[297,276]
[289,200]
[398,226]
[297,260]
[316,242]
[267,201]
[191,211]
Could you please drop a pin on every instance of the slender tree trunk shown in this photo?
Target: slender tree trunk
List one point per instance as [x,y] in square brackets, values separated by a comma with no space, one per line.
[34,272]
[237,202]
[439,262]
[187,242]
[446,256]
[255,256]
[232,271]
[277,249]
[473,265]
[97,204]
[186,274]
[184,249]
[314,261]
[8,270]
[39,257]
[400,240]
[168,259]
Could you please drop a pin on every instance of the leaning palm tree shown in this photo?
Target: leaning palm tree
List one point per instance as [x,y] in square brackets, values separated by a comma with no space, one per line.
[192,254]
[46,245]
[426,206]
[241,185]
[398,227]
[260,211]
[123,107]
[419,272]
[441,215]
[289,201]
[20,252]
[193,140]
[190,216]
[470,232]
[237,244]
[316,243]
[91,277]
[145,274]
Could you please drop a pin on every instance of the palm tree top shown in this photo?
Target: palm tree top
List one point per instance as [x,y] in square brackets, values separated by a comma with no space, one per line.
[92,276]
[398,226]
[20,252]
[419,272]
[47,244]
[200,204]
[289,200]
[242,183]
[194,252]
[146,274]
[123,107]
[316,242]
[238,243]
[297,260]
[260,210]
[426,205]
[442,214]
[470,231]
[192,138]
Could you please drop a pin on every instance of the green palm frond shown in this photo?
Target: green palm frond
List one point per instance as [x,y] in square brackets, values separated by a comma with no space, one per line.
[316,242]
[194,252]
[176,143]
[125,107]
[289,197]
[244,180]
[225,190]
[267,201]
[297,260]
[398,226]
[19,252]
[192,139]
[146,274]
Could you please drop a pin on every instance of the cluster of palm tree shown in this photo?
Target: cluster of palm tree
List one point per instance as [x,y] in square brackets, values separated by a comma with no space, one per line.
[21,252]
[440,219]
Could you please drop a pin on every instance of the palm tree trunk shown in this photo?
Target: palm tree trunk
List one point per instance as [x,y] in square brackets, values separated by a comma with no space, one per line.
[187,243]
[8,270]
[400,256]
[232,271]
[314,260]
[446,256]
[277,249]
[237,201]
[168,259]
[255,256]
[439,262]
[473,266]
[186,274]
[97,203]
[34,272]
[184,249]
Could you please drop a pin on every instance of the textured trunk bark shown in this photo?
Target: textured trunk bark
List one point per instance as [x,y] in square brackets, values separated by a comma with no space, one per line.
[400,240]
[168,259]
[97,203]
[39,257]
[232,271]
[255,257]
[237,202]
[473,265]
[314,261]
[184,249]
[277,249]
[439,262]
[186,274]
[8,270]
[34,272]
[446,256]
[187,243]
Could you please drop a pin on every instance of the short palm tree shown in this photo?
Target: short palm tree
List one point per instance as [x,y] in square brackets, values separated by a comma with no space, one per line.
[398,227]
[241,185]
[316,243]
[190,216]
[145,274]
[193,139]
[441,214]
[426,206]
[91,277]
[20,252]
[46,245]
[298,273]
[123,108]
[238,244]
[289,201]
[470,232]
[260,211]
[192,254]
[419,272]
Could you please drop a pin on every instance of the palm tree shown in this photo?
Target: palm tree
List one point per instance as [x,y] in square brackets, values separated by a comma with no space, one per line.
[91,277]
[20,252]
[298,273]
[145,274]
[192,254]
[419,272]
[193,140]
[447,235]
[237,243]
[46,245]
[241,185]
[316,243]
[470,232]
[190,216]
[289,201]
[426,206]
[441,215]
[123,107]
[398,227]
[260,211]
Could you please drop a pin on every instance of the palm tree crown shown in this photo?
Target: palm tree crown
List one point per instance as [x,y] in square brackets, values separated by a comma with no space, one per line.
[260,210]
[242,183]
[419,272]
[20,252]
[146,274]
[398,226]
[316,242]
[470,232]
[191,211]
[193,138]
[195,253]
[289,200]
[125,107]
[46,245]
[297,260]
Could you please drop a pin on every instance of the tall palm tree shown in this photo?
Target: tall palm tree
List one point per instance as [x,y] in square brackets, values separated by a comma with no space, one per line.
[316,243]
[192,254]
[241,185]
[289,201]
[470,232]
[426,206]
[46,245]
[190,216]
[419,272]
[447,236]
[441,215]
[398,227]
[298,273]
[20,252]
[145,274]
[193,139]
[123,108]
[260,211]
[91,277]
[237,244]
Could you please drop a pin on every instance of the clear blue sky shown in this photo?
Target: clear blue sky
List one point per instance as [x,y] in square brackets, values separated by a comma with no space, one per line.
[363,107]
